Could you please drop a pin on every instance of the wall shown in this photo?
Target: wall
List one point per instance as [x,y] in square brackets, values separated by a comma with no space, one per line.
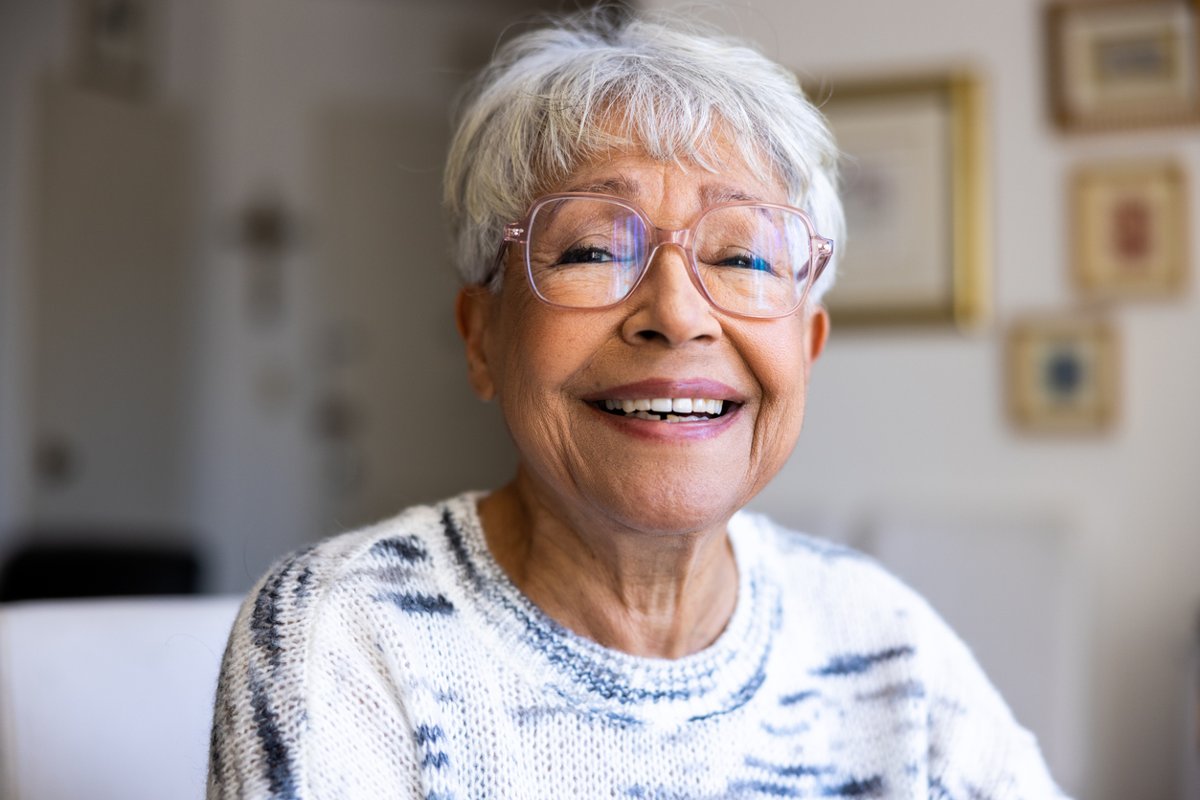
[899,422]
[255,79]
[280,69]
[36,48]
[29,38]
[904,423]
[110,333]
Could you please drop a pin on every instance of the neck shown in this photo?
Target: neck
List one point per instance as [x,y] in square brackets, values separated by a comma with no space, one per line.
[654,594]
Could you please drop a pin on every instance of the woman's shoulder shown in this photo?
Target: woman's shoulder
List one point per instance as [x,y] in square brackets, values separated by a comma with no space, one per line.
[787,542]
[805,561]
[865,639]
[836,591]
[853,613]
[399,562]
[311,572]
[308,644]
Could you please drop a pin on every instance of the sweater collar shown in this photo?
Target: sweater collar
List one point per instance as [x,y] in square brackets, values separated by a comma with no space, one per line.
[619,687]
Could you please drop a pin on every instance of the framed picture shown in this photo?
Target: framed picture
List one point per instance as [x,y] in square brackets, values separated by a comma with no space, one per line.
[913,188]
[1129,229]
[114,45]
[1062,375]
[1123,63]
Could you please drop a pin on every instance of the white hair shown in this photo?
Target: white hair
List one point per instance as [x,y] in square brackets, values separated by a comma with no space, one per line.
[554,98]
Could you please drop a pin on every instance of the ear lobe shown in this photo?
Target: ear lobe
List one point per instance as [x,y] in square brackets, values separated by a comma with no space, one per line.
[818,332]
[472,310]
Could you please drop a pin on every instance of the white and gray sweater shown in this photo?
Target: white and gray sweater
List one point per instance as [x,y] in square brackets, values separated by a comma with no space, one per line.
[399,662]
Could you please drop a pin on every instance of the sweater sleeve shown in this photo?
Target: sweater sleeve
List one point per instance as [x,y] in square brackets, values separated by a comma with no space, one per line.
[976,747]
[305,706]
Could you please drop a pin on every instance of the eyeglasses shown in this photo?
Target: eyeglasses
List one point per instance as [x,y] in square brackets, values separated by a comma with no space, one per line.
[750,259]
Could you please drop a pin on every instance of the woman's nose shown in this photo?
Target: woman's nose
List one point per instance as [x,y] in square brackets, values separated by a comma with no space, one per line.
[668,305]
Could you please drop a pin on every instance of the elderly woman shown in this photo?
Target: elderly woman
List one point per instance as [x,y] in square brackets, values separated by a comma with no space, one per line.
[644,221]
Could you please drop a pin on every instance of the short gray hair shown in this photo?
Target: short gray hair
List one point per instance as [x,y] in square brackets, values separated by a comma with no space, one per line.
[555,97]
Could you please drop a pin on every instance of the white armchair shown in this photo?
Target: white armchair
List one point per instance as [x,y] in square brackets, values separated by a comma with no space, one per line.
[109,699]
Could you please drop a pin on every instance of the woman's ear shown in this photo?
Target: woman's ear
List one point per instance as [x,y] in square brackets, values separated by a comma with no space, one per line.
[818,332]
[472,313]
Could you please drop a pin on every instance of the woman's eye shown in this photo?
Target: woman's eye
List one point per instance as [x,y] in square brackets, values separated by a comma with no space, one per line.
[747,261]
[585,255]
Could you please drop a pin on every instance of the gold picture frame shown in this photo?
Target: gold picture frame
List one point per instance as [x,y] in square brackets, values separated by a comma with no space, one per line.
[1062,374]
[1129,224]
[1123,63]
[914,190]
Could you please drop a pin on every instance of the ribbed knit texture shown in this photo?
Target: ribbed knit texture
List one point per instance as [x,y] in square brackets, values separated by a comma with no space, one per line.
[400,662]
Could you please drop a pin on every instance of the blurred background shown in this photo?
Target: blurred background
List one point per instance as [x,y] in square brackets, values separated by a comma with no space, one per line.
[226,332]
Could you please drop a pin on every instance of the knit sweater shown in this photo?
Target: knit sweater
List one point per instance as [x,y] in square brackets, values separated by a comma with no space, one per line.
[399,661]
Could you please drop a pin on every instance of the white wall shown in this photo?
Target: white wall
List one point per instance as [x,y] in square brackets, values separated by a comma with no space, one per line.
[907,423]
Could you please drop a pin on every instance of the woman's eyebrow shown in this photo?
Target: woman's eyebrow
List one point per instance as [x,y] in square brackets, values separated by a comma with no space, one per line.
[618,185]
[711,194]
[715,194]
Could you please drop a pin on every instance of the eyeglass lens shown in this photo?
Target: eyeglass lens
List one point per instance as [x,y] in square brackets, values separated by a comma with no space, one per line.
[590,252]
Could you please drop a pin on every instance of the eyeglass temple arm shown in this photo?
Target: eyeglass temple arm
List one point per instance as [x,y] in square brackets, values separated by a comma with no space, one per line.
[824,254]
[513,232]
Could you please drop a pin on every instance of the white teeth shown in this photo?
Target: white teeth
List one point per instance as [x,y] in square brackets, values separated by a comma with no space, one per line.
[676,409]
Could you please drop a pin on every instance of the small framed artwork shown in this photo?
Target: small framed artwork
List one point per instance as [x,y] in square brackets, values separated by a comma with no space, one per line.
[1123,63]
[913,189]
[1062,375]
[114,43]
[1129,229]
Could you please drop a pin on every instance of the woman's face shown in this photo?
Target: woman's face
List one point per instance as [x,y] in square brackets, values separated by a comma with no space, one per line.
[552,371]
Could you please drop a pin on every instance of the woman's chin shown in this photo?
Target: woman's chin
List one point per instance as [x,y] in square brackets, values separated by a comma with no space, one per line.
[666,507]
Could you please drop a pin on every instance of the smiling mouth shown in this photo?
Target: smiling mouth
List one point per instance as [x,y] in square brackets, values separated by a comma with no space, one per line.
[664,409]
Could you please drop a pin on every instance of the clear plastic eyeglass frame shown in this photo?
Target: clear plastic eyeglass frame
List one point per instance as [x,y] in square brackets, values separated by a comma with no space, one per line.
[820,250]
